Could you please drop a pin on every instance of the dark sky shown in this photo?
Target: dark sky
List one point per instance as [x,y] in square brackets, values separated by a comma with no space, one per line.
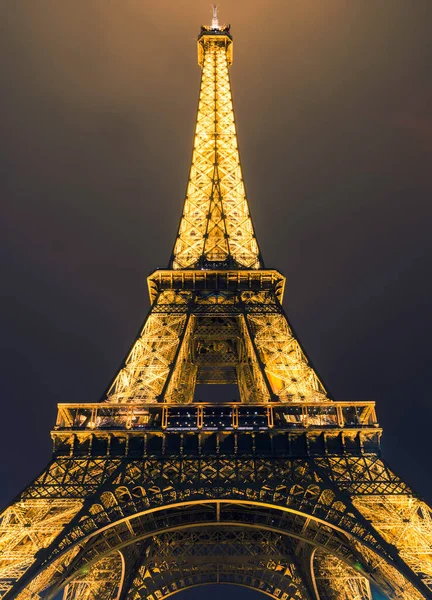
[333,101]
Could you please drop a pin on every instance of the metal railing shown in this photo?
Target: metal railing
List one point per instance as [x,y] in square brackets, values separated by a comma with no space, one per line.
[217,416]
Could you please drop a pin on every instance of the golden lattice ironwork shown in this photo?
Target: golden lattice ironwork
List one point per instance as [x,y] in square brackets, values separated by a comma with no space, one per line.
[153,490]
[216,227]
[333,579]
[239,336]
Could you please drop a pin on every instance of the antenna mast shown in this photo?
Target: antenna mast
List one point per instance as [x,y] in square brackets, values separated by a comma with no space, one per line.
[215,19]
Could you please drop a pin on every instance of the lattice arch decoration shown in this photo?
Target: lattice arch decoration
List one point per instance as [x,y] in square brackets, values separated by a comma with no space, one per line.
[309,516]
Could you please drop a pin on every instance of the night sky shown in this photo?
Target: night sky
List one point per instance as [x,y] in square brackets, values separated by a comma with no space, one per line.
[333,102]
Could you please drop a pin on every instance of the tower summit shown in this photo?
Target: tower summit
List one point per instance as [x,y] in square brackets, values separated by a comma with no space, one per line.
[216,227]
[157,488]
[215,19]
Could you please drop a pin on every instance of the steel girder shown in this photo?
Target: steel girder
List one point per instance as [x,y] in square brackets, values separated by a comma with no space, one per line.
[133,501]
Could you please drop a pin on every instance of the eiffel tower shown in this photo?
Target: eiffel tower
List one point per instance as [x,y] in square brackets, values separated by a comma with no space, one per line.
[166,484]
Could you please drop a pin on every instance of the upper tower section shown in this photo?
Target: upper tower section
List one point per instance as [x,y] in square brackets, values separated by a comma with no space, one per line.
[219,34]
[216,229]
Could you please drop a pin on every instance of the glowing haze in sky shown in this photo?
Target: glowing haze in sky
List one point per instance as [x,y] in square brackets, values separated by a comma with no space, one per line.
[333,103]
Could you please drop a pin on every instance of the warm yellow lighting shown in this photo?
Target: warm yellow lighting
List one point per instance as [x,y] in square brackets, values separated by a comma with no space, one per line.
[216,225]
[314,502]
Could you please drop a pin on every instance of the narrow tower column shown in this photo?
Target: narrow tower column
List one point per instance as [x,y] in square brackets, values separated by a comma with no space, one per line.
[216,228]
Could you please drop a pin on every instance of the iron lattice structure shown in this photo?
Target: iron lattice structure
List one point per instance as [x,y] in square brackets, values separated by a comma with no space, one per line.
[152,491]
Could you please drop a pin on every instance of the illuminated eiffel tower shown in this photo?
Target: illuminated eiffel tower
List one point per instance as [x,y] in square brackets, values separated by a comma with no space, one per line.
[154,490]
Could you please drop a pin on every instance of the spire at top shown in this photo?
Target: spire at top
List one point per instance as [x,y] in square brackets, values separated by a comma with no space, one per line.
[215,19]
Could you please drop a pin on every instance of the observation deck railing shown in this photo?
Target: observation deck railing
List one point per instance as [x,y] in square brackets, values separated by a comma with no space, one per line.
[228,416]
